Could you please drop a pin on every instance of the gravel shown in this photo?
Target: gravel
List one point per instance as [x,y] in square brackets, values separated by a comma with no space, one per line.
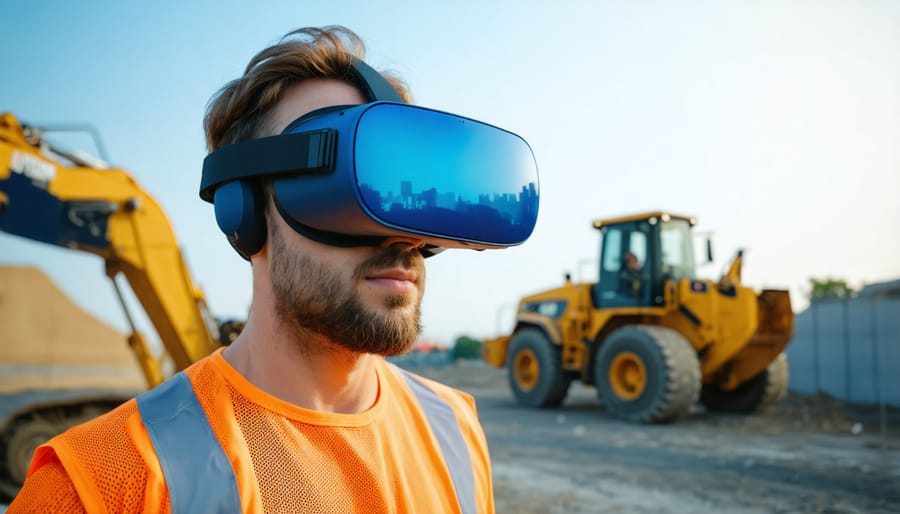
[806,454]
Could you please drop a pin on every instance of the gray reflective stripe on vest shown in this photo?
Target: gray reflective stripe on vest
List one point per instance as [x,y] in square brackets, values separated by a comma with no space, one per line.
[197,472]
[443,423]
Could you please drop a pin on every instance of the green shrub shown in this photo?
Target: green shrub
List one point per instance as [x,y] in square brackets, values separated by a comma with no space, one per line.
[467,348]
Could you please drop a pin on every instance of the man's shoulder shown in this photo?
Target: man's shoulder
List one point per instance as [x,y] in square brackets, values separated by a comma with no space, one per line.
[118,422]
[458,399]
[438,385]
[111,428]
[118,426]
[97,451]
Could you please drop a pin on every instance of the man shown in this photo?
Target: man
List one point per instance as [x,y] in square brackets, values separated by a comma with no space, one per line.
[301,413]
[631,276]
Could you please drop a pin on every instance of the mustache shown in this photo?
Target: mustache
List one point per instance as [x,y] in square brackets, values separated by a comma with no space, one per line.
[390,257]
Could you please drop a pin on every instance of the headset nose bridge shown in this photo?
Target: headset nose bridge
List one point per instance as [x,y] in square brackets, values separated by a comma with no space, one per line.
[412,242]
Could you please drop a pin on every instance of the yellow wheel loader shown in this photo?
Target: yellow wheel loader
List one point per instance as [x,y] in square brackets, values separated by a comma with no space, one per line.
[649,335]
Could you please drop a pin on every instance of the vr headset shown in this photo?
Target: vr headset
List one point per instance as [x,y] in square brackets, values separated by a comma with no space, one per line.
[356,175]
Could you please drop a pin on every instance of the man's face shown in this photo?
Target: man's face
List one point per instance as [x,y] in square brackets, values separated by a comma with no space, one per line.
[365,299]
[632,263]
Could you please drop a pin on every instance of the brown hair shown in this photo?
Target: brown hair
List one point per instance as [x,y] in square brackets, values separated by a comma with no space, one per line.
[239,111]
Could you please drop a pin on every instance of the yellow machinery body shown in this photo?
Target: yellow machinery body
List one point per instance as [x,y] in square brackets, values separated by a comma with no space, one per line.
[77,202]
[734,332]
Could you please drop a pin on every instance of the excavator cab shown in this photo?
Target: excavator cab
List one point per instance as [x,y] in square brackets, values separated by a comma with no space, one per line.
[638,255]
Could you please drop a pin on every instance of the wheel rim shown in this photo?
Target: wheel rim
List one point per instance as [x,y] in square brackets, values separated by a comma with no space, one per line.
[526,369]
[627,376]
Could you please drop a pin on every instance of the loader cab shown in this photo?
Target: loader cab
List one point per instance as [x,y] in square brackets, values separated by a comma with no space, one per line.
[638,254]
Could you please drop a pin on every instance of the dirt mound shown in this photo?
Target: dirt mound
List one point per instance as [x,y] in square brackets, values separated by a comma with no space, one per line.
[48,341]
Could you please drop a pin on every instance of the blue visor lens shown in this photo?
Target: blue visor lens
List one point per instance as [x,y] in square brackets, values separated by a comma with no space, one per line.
[433,173]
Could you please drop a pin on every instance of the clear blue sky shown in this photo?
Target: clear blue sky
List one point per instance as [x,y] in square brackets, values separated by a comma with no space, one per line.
[776,123]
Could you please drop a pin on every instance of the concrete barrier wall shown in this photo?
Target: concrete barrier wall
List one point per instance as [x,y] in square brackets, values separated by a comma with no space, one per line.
[849,349]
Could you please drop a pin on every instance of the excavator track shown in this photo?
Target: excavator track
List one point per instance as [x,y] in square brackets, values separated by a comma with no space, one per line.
[28,431]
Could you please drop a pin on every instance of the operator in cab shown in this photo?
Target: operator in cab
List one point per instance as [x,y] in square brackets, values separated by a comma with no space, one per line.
[631,276]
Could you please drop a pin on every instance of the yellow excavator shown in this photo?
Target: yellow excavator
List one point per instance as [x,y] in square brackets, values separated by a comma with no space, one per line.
[652,337]
[76,201]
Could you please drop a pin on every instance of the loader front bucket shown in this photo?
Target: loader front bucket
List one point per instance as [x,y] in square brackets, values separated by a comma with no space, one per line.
[493,351]
[775,327]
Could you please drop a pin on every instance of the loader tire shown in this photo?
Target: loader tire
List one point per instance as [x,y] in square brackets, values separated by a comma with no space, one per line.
[536,376]
[754,395]
[647,374]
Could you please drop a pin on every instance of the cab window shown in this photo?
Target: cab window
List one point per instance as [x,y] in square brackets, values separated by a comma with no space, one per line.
[612,250]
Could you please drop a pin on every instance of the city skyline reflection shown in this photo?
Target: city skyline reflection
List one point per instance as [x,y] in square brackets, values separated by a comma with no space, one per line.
[500,216]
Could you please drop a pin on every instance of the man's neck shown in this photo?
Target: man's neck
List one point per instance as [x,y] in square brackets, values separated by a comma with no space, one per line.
[305,369]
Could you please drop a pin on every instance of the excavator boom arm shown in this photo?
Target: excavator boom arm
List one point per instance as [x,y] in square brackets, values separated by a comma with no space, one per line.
[107,213]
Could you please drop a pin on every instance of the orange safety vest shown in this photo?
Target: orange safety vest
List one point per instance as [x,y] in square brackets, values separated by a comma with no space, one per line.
[209,441]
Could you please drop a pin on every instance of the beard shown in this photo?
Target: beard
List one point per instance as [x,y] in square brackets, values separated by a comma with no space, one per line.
[312,297]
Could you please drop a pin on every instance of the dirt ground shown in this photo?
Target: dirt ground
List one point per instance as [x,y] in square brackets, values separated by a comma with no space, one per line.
[808,454]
